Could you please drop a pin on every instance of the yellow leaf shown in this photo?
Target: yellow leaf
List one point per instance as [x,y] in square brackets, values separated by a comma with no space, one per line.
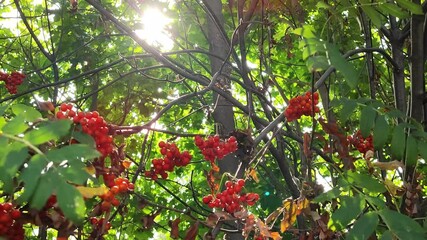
[89,192]
[275,236]
[254,175]
[388,165]
[392,188]
[126,164]
[90,169]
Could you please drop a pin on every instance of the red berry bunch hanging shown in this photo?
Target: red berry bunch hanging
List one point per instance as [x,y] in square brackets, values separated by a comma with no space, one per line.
[92,124]
[231,199]
[9,227]
[121,185]
[100,227]
[302,105]
[12,81]
[362,144]
[214,148]
[171,157]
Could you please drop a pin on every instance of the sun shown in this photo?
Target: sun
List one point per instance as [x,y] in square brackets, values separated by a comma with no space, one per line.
[155,24]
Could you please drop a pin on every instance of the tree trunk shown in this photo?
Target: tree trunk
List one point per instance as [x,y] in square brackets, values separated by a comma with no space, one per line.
[223,113]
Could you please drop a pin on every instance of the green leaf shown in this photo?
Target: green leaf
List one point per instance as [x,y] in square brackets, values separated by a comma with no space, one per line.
[347,109]
[72,153]
[16,154]
[15,126]
[394,10]
[28,113]
[327,196]
[364,226]
[307,31]
[372,14]
[387,235]
[75,174]
[411,151]
[52,130]
[342,65]
[381,132]
[84,138]
[45,187]
[3,109]
[324,5]
[317,63]
[398,140]
[410,6]
[367,120]
[71,202]
[366,181]
[31,176]
[422,149]
[402,226]
[350,208]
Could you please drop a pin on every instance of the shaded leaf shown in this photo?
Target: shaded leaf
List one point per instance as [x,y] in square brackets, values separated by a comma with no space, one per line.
[381,132]
[398,140]
[402,226]
[328,196]
[410,6]
[411,151]
[347,109]
[366,181]
[342,65]
[367,120]
[45,187]
[31,176]
[364,226]
[394,10]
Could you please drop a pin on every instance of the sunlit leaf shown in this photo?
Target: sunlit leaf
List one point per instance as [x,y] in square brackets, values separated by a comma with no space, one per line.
[71,202]
[52,130]
[28,113]
[350,208]
[90,192]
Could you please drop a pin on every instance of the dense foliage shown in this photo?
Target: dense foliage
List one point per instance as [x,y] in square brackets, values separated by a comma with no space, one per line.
[244,119]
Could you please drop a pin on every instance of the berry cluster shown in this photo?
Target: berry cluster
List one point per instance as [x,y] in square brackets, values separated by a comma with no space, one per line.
[213,147]
[231,199]
[171,157]
[92,124]
[9,227]
[100,226]
[119,185]
[362,144]
[302,105]
[12,81]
